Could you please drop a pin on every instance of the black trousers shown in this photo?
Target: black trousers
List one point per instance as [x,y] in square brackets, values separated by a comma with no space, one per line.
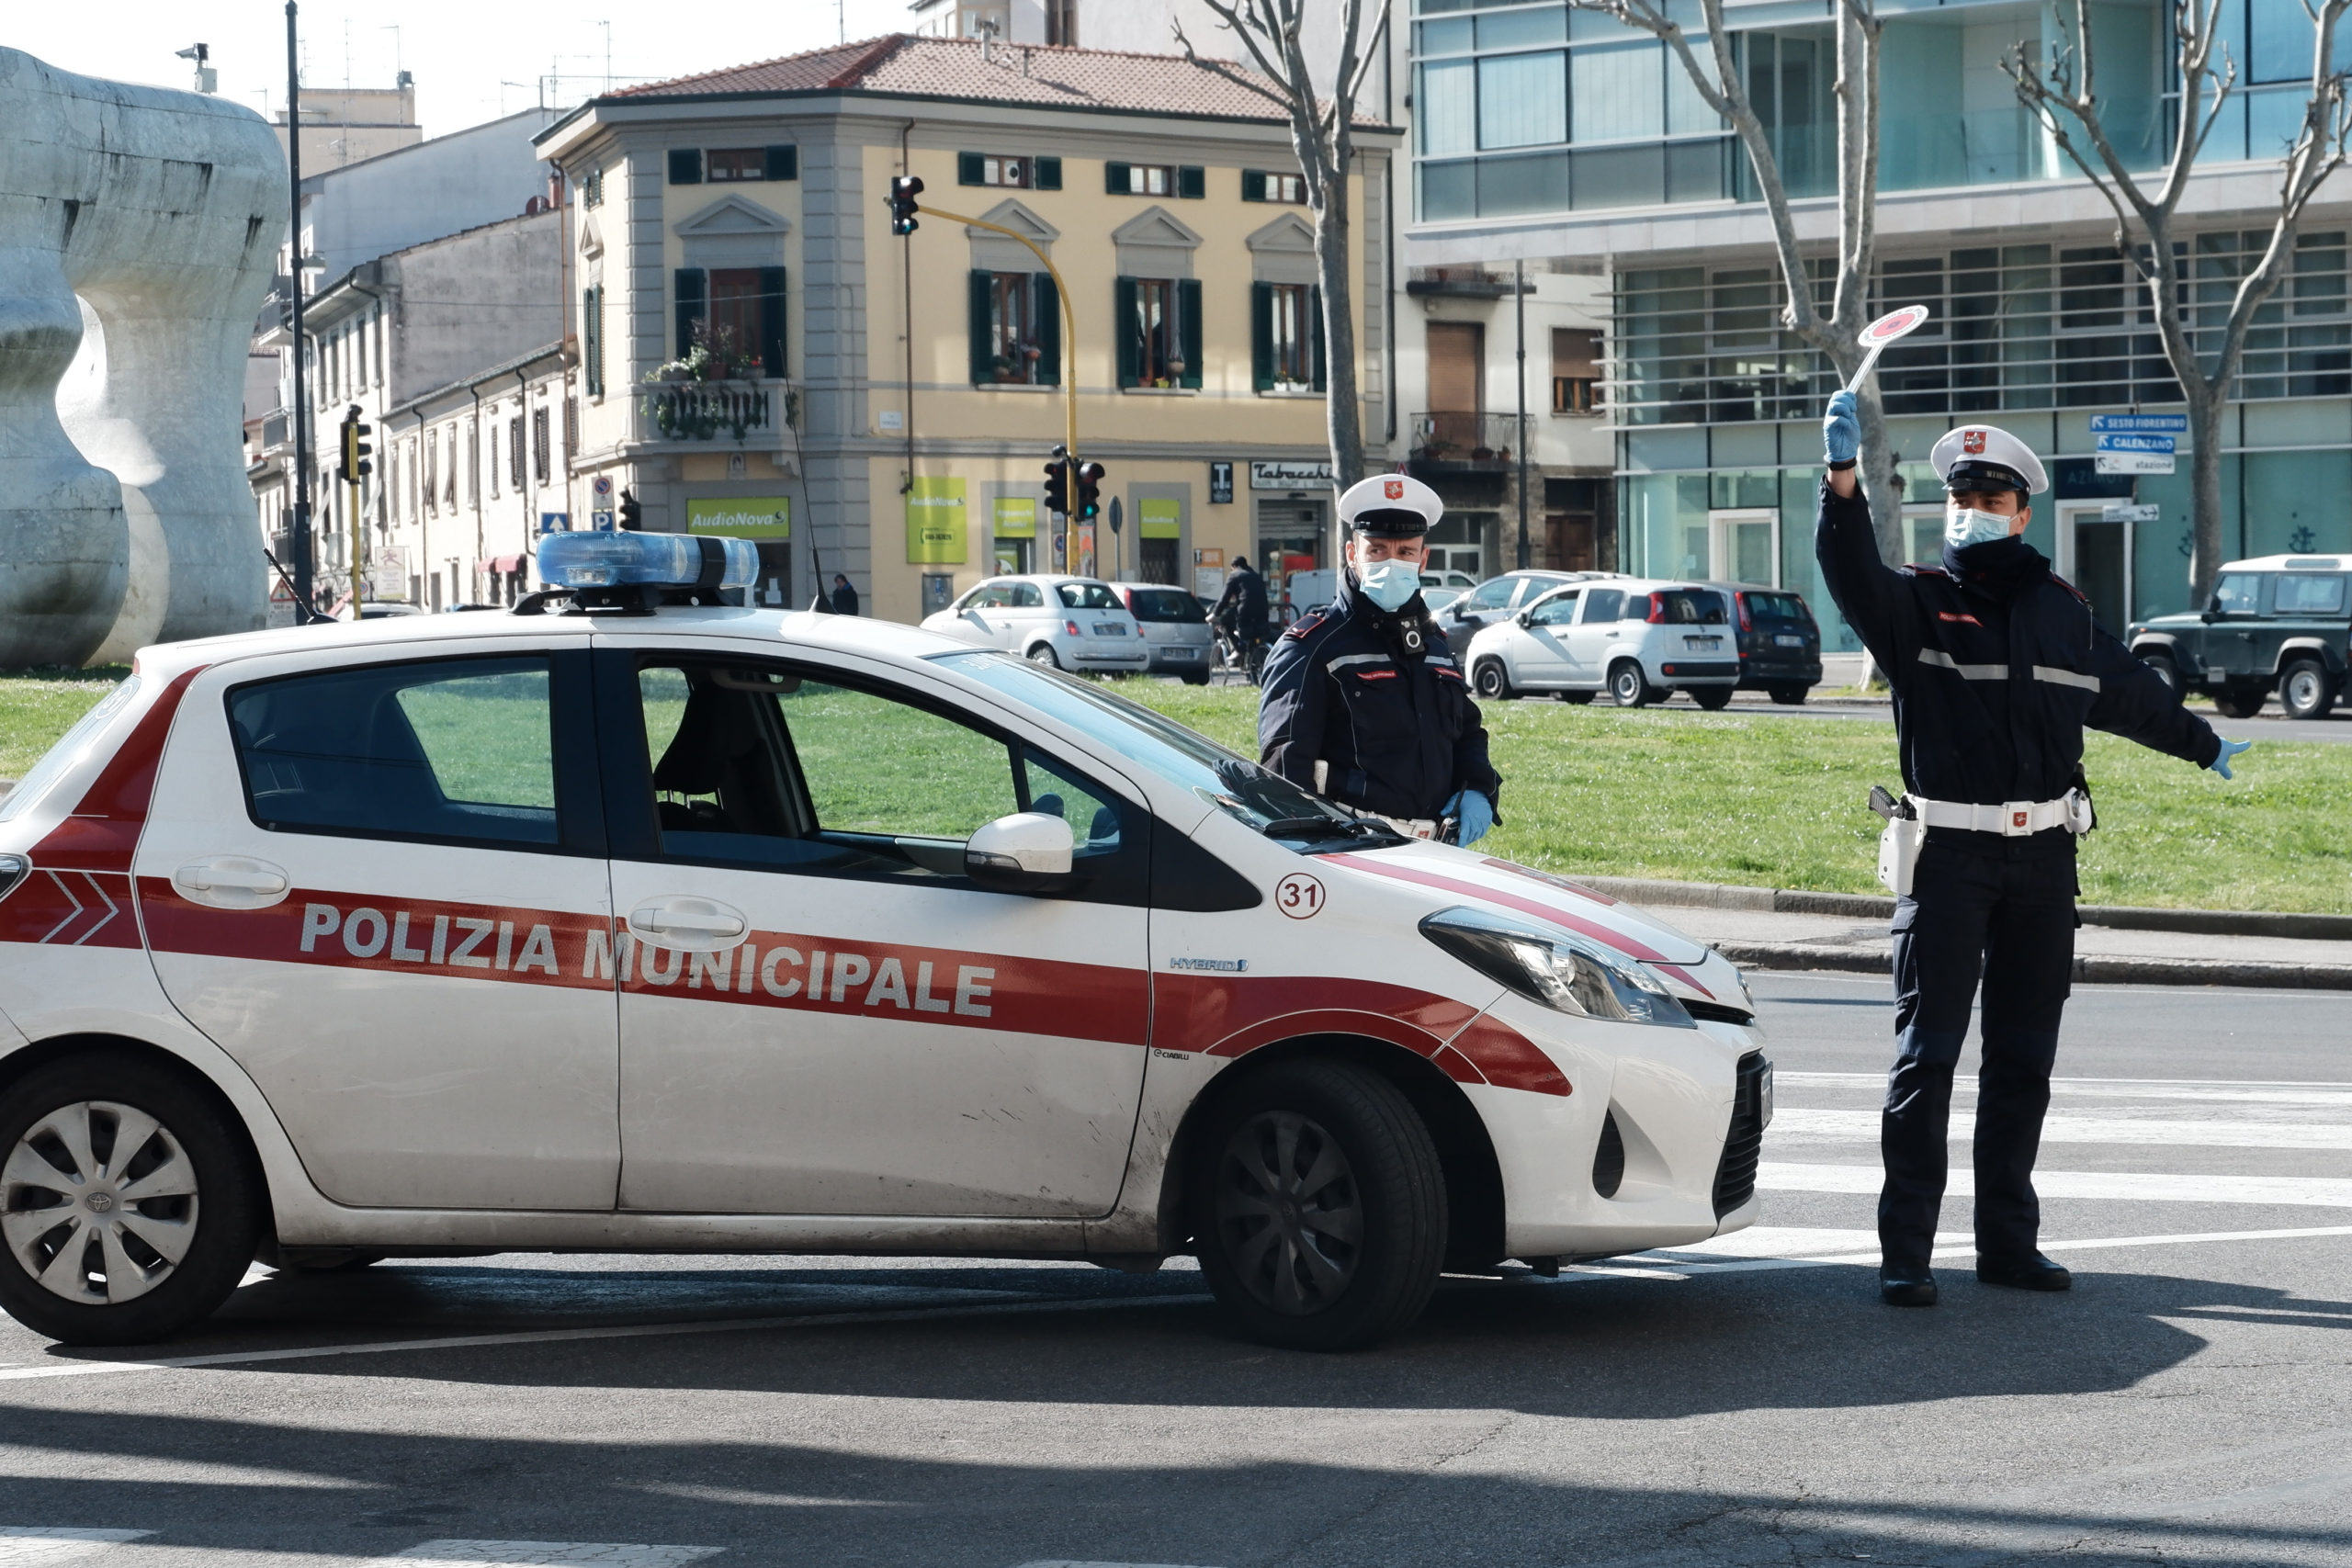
[2004,914]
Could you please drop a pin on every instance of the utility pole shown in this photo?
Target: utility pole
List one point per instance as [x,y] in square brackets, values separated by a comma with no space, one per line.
[1519,302]
[304,612]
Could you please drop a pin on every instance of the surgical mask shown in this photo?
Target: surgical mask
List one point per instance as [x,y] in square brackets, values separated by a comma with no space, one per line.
[1391,584]
[1964,526]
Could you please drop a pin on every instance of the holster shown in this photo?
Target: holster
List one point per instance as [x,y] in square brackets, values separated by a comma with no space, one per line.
[1898,853]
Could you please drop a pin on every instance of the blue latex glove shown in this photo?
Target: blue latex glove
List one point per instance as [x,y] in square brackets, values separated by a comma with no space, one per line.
[2220,764]
[1473,812]
[1841,429]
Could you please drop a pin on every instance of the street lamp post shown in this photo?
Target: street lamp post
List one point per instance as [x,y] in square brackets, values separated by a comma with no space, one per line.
[303,607]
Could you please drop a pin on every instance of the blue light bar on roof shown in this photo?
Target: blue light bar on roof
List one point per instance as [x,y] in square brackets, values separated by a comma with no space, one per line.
[660,561]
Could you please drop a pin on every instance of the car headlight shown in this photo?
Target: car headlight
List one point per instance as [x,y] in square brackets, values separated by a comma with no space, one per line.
[1566,973]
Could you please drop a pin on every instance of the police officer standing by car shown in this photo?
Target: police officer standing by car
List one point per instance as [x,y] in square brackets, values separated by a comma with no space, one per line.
[1364,703]
[1998,665]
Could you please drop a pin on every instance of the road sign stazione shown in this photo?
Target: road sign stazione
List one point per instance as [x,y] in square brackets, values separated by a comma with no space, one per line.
[2133,463]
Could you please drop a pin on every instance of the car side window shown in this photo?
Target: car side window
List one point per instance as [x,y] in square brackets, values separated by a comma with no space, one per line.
[2239,594]
[1604,606]
[1492,595]
[1027,597]
[2310,594]
[761,766]
[1554,611]
[446,751]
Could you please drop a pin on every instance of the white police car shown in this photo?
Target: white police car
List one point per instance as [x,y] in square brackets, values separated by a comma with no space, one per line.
[623,925]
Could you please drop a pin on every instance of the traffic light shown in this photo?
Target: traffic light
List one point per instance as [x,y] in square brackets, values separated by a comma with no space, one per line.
[904,188]
[1058,482]
[632,511]
[354,464]
[1090,489]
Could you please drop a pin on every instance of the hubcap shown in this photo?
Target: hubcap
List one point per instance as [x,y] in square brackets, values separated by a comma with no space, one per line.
[1289,1212]
[98,1203]
[2303,689]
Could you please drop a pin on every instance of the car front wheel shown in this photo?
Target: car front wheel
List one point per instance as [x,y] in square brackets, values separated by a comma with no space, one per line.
[128,1203]
[1491,680]
[2305,690]
[1629,688]
[1318,1206]
[2162,663]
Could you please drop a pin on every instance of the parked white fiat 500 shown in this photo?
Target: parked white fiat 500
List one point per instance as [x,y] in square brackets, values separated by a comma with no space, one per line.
[1637,640]
[1070,623]
[702,929]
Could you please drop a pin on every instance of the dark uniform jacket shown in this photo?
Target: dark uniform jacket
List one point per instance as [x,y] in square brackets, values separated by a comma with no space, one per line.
[1245,597]
[1397,726]
[1998,665]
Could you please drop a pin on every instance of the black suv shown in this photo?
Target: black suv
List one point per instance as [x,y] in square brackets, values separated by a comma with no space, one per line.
[2282,622]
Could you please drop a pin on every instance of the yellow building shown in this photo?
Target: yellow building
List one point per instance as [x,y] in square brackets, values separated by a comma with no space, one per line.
[761,354]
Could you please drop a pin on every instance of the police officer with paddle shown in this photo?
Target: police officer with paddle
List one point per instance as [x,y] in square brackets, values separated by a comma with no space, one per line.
[1997,666]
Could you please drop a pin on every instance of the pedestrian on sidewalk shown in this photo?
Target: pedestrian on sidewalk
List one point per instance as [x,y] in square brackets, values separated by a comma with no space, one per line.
[1997,665]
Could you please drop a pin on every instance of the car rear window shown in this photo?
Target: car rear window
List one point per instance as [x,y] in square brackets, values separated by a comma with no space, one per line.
[1777,607]
[2309,593]
[1690,607]
[1165,604]
[1087,596]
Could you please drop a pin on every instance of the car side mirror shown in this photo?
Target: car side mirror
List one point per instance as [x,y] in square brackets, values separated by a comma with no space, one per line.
[1029,852]
[1526,617]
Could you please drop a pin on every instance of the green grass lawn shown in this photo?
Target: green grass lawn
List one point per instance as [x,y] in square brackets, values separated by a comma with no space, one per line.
[1772,801]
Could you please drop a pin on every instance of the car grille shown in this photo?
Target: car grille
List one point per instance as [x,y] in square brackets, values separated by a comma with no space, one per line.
[1608,1159]
[1743,1144]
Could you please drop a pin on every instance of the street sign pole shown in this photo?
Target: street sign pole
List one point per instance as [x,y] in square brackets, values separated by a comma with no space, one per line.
[304,611]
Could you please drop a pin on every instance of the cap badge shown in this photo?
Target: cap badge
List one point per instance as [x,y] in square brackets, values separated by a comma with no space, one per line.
[1393,489]
[1973,443]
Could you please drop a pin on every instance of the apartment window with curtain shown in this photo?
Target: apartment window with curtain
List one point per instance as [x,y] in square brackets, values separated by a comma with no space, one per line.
[1015,329]
[432,490]
[1158,332]
[449,486]
[737,313]
[1286,334]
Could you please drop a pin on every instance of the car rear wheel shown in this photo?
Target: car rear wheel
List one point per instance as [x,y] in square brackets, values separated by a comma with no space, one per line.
[1319,1207]
[2305,690]
[1628,687]
[2238,700]
[1491,680]
[128,1203]
[1044,654]
[1711,697]
[1792,695]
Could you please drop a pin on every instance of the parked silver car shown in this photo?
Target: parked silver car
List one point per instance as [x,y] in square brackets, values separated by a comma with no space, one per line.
[1072,623]
[1635,638]
[1175,628]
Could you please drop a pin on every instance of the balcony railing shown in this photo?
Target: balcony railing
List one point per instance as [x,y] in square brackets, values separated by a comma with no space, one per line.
[711,410]
[1463,442]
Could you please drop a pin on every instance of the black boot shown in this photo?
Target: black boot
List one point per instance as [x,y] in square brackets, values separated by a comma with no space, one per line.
[2032,1272]
[1906,1285]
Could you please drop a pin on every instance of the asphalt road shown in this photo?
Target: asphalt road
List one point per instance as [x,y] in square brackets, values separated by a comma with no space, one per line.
[1746,1402]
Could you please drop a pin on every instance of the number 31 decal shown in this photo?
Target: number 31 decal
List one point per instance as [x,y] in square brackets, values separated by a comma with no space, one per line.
[1299,896]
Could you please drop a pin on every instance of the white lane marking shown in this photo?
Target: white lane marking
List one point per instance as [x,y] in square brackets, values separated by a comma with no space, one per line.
[2297,1191]
[630,1331]
[1066,1563]
[1809,1124]
[2225,1089]
[22,1546]
[489,1553]
[736,1496]
[1668,1267]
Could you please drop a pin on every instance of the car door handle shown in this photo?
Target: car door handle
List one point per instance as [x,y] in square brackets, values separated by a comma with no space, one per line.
[231,882]
[688,922]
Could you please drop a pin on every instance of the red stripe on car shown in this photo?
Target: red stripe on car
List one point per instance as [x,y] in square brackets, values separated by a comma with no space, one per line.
[103,830]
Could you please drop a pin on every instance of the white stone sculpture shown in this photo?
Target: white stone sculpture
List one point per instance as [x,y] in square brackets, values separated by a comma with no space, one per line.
[138,230]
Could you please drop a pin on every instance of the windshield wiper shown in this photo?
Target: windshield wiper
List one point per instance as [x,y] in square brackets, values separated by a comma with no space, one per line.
[1317,826]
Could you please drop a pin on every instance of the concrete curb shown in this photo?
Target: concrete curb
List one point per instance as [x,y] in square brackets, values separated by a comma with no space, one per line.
[1868,906]
[2090,969]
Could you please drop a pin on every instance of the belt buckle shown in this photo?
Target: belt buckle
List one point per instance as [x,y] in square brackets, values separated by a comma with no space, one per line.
[2017,820]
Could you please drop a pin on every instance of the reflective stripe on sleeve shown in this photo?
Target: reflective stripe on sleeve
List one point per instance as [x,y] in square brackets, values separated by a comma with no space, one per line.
[2058,677]
[1943,661]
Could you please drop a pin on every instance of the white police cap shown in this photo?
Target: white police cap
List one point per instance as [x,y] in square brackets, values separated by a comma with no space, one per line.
[1987,450]
[1386,506]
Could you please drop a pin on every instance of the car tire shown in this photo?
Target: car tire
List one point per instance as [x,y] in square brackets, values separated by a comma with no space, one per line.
[2163,663]
[1196,677]
[1791,696]
[1491,680]
[202,1189]
[1628,687]
[1712,697]
[2306,690]
[1338,1266]
[1579,698]
[1044,654]
[2239,699]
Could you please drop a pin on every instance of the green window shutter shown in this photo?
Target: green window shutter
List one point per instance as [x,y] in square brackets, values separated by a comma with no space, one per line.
[686,165]
[1192,182]
[1048,172]
[1128,333]
[968,169]
[772,320]
[1253,185]
[783,163]
[1314,318]
[691,290]
[1188,329]
[591,357]
[1046,300]
[983,315]
[1114,179]
[1261,335]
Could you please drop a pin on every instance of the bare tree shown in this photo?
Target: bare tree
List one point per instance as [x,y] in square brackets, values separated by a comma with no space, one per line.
[2059,92]
[1322,132]
[1837,332]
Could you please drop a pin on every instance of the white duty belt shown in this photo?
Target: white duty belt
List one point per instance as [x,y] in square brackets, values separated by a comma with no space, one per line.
[1411,827]
[2012,820]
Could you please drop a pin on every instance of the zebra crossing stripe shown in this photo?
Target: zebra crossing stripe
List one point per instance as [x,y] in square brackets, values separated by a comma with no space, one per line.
[25,1546]
[2130,1185]
[496,1554]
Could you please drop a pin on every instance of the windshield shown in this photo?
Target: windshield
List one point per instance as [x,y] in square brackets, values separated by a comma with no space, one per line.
[1164,604]
[1087,596]
[1241,788]
[67,752]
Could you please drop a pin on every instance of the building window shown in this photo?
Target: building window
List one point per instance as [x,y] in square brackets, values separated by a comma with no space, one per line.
[432,488]
[735,315]
[1061,23]
[514,453]
[592,189]
[1262,185]
[731,164]
[450,481]
[493,452]
[1576,370]
[1160,332]
[540,450]
[592,337]
[1286,334]
[1188,181]
[1016,329]
[570,428]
